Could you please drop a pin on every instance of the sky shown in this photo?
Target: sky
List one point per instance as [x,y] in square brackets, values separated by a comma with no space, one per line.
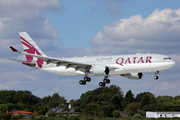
[68,28]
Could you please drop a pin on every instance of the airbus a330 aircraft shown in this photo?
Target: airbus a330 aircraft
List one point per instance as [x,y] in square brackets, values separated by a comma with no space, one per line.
[130,66]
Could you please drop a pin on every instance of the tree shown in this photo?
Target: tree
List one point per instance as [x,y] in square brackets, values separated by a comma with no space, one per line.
[139,96]
[3,108]
[108,109]
[129,98]
[148,102]
[116,114]
[62,105]
[177,97]
[164,99]
[115,100]
[91,109]
[42,110]
[76,103]
[132,108]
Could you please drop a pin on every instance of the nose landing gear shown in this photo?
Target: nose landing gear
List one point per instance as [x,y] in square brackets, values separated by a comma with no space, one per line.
[156,77]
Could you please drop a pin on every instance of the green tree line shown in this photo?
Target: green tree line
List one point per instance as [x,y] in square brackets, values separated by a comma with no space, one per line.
[25,100]
[104,100]
[99,102]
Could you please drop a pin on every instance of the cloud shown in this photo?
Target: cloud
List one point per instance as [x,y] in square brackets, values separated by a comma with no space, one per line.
[107,7]
[114,9]
[20,15]
[159,32]
[17,16]
[54,5]
[110,0]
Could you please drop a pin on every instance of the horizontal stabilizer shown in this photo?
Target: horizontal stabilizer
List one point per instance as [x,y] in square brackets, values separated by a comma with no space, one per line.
[13,49]
[30,63]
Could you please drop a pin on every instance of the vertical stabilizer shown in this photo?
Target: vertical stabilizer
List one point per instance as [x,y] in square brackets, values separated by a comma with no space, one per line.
[30,47]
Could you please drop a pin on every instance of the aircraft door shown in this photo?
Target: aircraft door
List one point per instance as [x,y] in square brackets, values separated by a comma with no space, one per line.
[153,60]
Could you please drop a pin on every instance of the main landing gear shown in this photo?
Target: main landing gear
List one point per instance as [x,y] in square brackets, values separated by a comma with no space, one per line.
[88,79]
[156,77]
[105,80]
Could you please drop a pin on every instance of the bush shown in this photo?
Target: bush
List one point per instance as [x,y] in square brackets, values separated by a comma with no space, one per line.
[14,117]
[41,117]
[130,113]
[126,118]
[54,118]
[137,116]
[42,110]
[73,117]
[50,118]
[116,114]
[32,117]
[20,116]
[62,116]
[5,116]
[59,118]
[51,114]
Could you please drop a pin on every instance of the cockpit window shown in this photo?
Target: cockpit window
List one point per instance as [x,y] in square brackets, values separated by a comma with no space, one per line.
[167,58]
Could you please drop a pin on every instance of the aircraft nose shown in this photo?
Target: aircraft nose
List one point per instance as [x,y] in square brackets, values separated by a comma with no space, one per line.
[172,63]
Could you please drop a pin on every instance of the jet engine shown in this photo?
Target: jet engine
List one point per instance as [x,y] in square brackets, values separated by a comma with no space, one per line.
[133,75]
[100,70]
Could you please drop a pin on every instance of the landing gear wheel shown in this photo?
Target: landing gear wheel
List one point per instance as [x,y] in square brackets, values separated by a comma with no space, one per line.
[88,79]
[156,77]
[82,82]
[85,78]
[106,81]
[102,84]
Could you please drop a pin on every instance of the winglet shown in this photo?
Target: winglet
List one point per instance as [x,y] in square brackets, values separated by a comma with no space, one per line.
[13,49]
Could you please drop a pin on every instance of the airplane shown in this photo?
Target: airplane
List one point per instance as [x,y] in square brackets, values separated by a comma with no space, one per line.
[129,66]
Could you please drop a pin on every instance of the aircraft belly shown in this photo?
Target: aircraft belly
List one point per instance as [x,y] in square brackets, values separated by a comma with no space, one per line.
[62,71]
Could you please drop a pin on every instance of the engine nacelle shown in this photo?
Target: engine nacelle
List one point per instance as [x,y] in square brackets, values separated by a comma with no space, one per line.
[100,70]
[133,75]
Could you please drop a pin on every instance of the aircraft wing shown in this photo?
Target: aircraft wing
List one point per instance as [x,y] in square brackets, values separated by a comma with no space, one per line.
[57,61]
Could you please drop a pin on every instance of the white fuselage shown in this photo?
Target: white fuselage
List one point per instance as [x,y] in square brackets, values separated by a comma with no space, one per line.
[118,64]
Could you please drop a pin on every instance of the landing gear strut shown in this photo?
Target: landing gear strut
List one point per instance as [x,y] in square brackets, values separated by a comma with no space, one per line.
[156,77]
[105,81]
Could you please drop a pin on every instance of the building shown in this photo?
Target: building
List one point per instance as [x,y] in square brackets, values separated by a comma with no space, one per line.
[64,111]
[162,114]
[24,113]
[69,105]
[57,110]
[75,111]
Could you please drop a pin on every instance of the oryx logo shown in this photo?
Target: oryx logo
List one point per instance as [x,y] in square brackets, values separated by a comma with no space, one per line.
[31,50]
